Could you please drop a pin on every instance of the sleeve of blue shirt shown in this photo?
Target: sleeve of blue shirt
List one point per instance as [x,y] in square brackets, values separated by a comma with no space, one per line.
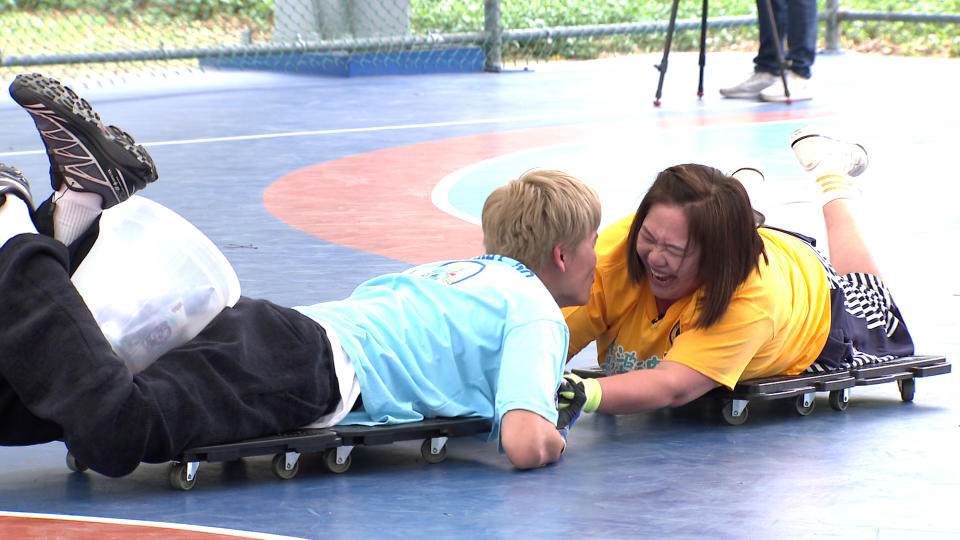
[530,370]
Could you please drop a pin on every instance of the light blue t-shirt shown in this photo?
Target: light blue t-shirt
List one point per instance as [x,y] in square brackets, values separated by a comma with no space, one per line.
[456,338]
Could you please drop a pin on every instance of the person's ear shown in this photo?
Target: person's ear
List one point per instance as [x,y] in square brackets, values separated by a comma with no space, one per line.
[559,257]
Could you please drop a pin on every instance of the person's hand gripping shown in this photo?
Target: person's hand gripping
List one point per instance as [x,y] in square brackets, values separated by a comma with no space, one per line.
[574,396]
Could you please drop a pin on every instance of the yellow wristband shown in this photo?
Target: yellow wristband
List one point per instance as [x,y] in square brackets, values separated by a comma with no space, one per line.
[594,393]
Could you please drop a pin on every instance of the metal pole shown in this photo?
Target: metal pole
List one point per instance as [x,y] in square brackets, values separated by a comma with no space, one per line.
[662,66]
[781,61]
[492,47]
[833,27]
[703,45]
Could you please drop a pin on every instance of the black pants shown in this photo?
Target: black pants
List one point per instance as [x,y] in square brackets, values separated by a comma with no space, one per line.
[257,369]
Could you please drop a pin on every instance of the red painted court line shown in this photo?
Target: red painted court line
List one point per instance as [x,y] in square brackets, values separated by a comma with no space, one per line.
[28,526]
[345,200]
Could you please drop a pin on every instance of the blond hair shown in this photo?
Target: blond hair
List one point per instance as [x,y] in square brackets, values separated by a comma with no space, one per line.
[527,217]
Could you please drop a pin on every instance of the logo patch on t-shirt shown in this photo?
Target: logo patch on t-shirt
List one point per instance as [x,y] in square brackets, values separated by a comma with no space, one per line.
[674,333]
[452,272]
[618,360]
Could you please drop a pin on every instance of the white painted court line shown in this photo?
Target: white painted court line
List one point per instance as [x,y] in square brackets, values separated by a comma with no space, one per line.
[503,120]
[570,119]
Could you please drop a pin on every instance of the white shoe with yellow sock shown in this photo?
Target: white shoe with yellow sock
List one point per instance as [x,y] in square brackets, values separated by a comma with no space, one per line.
[830,162]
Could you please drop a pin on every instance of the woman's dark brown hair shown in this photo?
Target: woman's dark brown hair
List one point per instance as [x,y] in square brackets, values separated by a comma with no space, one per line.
[721,223]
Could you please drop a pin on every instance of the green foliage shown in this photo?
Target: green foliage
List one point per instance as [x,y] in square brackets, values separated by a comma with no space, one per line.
[910,38]
[437,16]
[193,9]
[467,16]
[28,26]
[208,9]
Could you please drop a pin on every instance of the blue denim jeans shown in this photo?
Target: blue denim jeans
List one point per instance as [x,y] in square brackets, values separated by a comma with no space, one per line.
[797,23]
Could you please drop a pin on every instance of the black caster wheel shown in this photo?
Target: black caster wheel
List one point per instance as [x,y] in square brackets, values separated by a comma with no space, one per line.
[280,470]
[838,401]
[802,408]
[908,388]
[330,461]
[728,417]
[75,465]
[178,477]
[430,457]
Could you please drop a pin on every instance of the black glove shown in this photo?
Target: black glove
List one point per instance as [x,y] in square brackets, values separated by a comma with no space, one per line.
[571,397]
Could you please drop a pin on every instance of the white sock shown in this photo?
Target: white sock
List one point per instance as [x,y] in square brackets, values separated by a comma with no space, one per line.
[833,187]
[14,218]
[833,184]
[73,213]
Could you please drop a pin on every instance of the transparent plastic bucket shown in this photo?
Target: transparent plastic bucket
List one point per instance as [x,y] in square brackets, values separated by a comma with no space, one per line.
[152,280]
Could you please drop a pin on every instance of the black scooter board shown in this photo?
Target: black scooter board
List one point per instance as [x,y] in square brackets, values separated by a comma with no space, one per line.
[434,432]
[803,387]
[336,443]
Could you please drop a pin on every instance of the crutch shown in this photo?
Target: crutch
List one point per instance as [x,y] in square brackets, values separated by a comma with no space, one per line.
[781,60]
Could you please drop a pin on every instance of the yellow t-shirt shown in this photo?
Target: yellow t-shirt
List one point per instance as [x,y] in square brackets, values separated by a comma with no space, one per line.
[777,321]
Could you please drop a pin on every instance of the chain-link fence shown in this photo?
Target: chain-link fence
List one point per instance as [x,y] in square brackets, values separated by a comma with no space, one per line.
[101,39]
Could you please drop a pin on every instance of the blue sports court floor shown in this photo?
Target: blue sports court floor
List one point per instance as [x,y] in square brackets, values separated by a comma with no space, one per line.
[312,185]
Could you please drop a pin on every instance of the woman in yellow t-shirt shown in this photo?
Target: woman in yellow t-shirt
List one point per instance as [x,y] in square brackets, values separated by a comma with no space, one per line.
[693,292]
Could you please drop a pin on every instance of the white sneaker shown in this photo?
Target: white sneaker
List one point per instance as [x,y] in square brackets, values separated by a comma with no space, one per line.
[748,176]
[813,148]
[750,88]
[752,180]
[798,86]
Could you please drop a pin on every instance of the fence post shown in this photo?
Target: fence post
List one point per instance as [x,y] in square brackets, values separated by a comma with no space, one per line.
[492,48]
[833,26]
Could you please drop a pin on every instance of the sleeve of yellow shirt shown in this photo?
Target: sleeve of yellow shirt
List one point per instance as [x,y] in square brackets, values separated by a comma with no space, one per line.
[722,351]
